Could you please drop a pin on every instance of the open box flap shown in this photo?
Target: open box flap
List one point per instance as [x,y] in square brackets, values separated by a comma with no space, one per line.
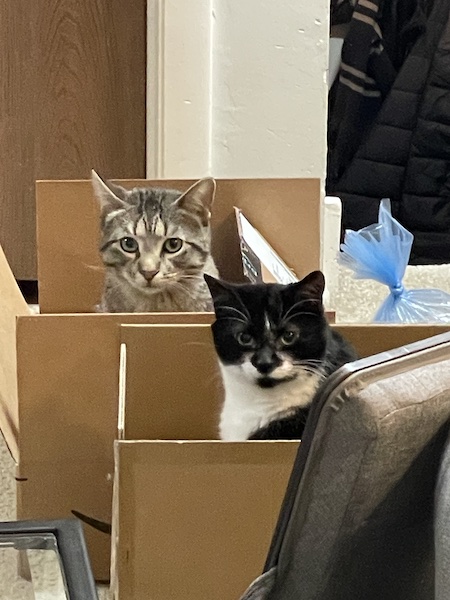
[260,262]
[286,212]
[373,339]
[195,519]
[12,305]
[172,389]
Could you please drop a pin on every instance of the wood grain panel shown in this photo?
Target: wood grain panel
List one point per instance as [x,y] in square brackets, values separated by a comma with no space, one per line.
[72,84]
[17,101]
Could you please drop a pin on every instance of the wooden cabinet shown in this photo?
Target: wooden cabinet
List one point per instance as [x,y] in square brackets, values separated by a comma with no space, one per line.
[72,98]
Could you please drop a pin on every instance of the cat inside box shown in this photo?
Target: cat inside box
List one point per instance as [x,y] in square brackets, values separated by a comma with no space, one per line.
[273,342]
[275,347]
[156,247]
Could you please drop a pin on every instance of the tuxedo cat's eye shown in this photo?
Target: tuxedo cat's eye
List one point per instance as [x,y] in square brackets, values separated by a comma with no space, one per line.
[289,337]
[173,245]
[244,339]
[129,244]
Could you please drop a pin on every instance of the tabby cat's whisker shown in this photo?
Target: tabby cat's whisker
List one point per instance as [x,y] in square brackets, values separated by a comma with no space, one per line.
[94,267]
[181,275]
[179,286]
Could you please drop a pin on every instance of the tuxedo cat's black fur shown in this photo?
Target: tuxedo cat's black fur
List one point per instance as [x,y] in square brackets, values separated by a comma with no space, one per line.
[275,347]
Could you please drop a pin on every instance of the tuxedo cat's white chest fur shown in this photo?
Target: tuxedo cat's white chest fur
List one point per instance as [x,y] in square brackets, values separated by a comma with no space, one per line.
[248,407]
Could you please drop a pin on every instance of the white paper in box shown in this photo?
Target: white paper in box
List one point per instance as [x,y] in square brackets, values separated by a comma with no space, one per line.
[259,260]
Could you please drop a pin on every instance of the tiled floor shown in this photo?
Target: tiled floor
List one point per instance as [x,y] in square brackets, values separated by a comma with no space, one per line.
[47,584]
[356,302]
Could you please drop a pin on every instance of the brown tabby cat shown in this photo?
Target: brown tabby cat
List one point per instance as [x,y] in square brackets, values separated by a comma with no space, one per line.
[155,246]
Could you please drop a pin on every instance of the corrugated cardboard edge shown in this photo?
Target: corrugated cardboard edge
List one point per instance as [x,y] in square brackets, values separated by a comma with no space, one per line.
[114,578]
[115,528]
[12,305]
[122,391]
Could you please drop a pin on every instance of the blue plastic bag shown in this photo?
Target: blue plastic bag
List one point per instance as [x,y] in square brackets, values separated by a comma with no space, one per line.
[381,252]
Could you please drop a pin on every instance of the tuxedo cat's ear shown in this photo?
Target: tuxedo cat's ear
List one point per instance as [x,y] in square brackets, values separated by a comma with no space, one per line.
[198,199]
[110,196]
[216,287]
[311,286]
[220,292]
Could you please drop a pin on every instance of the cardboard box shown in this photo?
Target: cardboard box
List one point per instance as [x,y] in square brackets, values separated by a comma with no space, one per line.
[59,380]
[196,518]
[193,518]
[285,211]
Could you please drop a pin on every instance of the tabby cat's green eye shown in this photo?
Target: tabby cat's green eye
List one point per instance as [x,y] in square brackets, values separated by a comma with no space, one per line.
[244,339]
[173,245]
[289,337]
[129,244]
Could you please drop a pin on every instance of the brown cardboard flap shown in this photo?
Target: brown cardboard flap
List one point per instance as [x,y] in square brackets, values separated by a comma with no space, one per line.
[12,305]
[172,386]
[372,339]
[285,211]
[195,519]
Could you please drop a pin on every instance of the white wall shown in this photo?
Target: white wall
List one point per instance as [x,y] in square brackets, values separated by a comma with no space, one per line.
[269,88]
[237,88]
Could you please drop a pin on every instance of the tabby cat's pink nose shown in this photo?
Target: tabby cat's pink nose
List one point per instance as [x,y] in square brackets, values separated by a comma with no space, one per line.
[148,275]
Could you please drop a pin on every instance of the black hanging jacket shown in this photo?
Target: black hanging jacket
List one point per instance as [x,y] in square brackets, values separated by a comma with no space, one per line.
[404,151]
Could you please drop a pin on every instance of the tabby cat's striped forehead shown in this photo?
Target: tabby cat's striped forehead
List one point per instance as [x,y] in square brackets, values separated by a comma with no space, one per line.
[151,201]
[152,207]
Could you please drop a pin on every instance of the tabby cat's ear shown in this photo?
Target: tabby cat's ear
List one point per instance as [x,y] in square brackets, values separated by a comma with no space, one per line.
[110,196]
[198,199]
[311,286]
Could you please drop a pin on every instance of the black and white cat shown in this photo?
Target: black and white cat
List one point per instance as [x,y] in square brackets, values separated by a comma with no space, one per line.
[275,347]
